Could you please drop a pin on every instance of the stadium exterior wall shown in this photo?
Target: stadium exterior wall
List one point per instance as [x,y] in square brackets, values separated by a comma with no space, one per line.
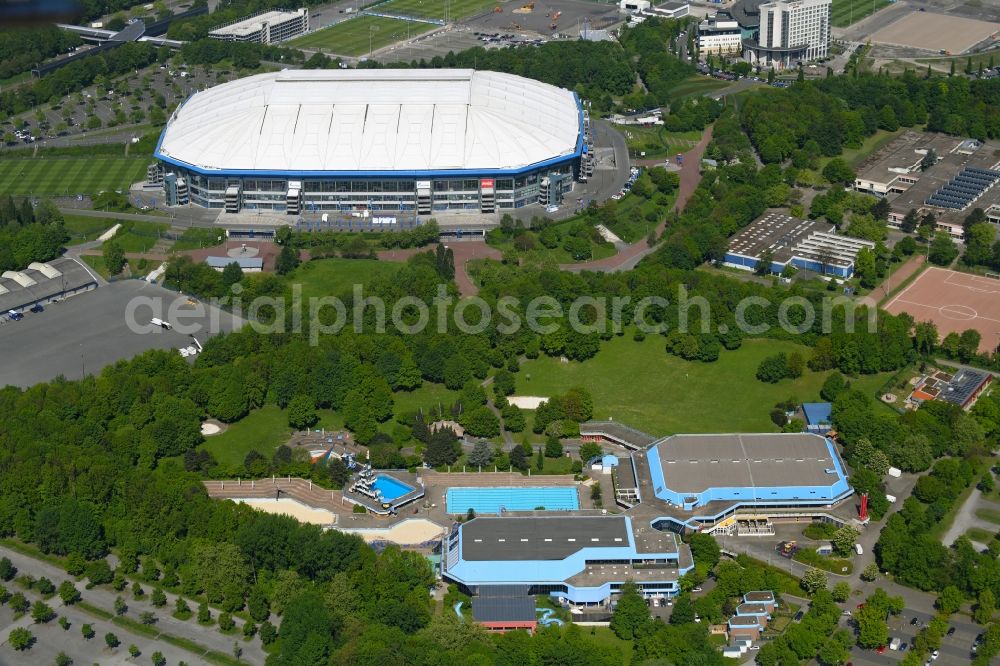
[454,189]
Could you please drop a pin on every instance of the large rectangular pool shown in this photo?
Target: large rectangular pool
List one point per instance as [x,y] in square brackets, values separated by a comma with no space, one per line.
[493,500]
[390,488]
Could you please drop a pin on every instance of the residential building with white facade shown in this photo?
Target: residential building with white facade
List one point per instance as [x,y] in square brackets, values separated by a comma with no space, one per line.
[790,33]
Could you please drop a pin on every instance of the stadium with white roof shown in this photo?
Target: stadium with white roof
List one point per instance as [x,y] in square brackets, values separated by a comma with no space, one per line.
[381,140]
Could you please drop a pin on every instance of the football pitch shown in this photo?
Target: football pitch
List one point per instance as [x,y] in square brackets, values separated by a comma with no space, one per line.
[436,9]
[845,12]
[351,37]
[69,175]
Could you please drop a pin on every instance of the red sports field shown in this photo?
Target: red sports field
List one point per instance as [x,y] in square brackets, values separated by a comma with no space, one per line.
[955,302]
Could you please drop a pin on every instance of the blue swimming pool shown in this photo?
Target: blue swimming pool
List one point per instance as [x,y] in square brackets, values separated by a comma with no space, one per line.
[390,488]
[492,500]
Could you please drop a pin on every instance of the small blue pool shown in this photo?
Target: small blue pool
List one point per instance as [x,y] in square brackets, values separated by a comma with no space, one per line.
[390,488]
[492,500]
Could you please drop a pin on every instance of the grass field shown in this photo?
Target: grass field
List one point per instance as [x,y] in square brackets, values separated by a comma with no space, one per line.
[991,515]
[639,384]
[656,141]
[845,12]
[979,534]
[140,236]
[335,277]
[194,238]
[697,85]
[82,229]
[265,429]
[435,9]
[351,37]
[68,175]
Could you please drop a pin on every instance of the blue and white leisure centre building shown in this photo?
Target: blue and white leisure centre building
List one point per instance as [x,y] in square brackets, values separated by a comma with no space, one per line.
[684,484]
[421,140]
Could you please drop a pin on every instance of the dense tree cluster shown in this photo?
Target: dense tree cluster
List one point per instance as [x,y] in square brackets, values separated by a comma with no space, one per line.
[23,48]
[29,233]
[648,43]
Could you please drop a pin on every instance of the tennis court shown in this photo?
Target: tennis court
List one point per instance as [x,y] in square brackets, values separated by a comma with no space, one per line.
[497,500]
[954,302]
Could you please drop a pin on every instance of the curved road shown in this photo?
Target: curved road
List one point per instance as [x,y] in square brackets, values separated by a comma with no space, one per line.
[628,257]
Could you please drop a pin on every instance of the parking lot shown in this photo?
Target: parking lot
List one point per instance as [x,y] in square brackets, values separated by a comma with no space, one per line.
[954,649]
[85,333]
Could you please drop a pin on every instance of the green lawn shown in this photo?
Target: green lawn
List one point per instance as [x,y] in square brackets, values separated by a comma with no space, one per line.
[96,262]
[263,430]
[980,535]
[991,515]
[335,277]
[351,37]
[435,9]
[641,385]
[194,238]
[657,141]
[855,156]
[424,398]
[140,236]
[845,12]
[82,229]
[68,175]
[697,85]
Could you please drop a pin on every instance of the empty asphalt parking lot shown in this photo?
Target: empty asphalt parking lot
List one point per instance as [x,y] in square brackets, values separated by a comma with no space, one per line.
[85,333]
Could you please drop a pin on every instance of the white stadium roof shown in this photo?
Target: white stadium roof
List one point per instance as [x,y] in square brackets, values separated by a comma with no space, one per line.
[373,121]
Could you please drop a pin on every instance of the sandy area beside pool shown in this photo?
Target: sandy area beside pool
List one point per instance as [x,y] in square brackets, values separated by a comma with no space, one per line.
[289,507]
[406,533]
[526,401]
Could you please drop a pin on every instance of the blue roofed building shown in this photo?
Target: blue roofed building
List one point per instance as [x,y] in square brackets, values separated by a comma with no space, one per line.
[818,417]
[703,479]
[584,559]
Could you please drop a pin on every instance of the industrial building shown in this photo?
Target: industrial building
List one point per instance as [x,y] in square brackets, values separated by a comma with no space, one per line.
[582,559]
[961,175]
[643,9]
[788,241]
[44,283]
[269,27]
[790,33]
[720,35]
[425,141]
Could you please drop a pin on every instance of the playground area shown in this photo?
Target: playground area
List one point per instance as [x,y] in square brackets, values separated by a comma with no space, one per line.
[954,302]
[945,33]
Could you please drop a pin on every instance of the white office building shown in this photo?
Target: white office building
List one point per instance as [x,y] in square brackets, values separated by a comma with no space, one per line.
[719,35]
[791,32]
[268,27]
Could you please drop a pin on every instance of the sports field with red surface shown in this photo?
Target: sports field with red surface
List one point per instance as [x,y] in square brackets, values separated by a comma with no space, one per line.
[955,302]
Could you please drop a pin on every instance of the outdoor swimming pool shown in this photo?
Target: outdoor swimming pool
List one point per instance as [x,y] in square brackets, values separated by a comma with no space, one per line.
[492,500]
[390,488]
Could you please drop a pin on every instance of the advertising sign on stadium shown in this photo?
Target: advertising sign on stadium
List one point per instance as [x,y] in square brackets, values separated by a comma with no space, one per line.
[486,183]
[383,220]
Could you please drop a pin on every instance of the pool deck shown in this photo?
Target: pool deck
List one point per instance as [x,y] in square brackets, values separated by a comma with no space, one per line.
[432,507]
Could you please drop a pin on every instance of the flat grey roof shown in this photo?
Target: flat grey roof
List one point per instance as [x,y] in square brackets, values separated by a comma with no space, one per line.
[694,463]
[901,154]
[759,596]
[624,476]
[540,538]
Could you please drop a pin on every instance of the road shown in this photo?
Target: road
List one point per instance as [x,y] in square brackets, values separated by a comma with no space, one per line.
[690,175]
[104,598]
